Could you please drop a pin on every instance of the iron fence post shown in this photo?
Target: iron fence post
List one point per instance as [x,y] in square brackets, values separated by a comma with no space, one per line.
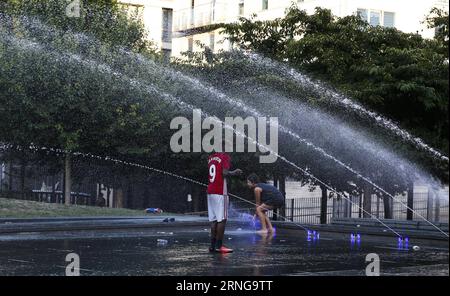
[292,210]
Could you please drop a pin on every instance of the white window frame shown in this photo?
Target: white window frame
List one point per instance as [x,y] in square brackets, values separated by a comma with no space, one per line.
[393,20]
[367,13]
[380,15]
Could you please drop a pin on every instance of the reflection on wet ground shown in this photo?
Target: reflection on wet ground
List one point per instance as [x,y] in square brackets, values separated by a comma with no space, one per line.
[289,252]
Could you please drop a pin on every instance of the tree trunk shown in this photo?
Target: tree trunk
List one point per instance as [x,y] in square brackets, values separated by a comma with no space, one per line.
[437,208]
[275,184]
[196,199]
[119,198]
[323,205]
[367,202]
[67,180]
[108,198]
[129,200]
[346,207]
[1,177]
[53,194]
[22,177]
[387,202]
[378,208]
[360,205]
[10,175]
[282,211]
[410,201]
[430,204]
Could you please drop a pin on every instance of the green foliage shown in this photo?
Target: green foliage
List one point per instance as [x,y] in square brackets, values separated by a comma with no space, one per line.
[66,83]
[438,19]
[103,19]
[395,73]
[49,101]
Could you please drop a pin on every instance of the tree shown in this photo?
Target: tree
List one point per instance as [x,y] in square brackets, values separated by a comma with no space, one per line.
[438,20]
[105,20]
[65,105]
[397,74]
[401,75]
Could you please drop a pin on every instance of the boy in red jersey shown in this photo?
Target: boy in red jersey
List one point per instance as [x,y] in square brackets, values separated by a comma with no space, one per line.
[219,168]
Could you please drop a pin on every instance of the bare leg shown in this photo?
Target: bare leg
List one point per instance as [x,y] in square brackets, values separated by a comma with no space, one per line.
[269,225]
[220,231]
[213,234]
[262,218]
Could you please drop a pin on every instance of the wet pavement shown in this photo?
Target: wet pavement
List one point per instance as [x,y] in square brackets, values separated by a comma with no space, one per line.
[289,252]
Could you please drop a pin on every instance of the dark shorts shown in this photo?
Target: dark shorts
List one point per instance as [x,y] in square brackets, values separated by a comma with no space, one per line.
[276,203]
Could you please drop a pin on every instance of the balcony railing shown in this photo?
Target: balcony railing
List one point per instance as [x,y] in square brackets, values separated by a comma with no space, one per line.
[199,16]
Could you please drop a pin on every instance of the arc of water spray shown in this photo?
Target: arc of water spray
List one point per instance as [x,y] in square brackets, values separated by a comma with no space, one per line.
[284,129]
[172,99]
[327,186]
[254,112]
[346,102]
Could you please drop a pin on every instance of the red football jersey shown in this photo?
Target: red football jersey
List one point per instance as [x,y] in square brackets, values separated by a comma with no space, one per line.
[217,162]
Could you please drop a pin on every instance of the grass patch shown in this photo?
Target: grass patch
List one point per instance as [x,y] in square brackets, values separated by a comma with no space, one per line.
[14,208]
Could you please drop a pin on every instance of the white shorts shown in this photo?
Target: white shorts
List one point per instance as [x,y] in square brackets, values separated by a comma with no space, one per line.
[217,207]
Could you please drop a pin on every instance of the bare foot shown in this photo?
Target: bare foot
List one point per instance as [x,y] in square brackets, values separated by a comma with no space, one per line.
[262,231]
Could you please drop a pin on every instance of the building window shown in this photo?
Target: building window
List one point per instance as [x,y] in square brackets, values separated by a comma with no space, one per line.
[374,18]
[241,7]
[388,19]
[167,24]
[192,12]
[265,4]
[363,14]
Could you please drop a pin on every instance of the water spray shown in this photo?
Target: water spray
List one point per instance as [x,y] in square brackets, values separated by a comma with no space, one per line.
[348,103]
[184,105]
[171,99]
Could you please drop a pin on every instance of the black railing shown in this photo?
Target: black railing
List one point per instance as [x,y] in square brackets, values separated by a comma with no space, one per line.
[433,209]
[306,210]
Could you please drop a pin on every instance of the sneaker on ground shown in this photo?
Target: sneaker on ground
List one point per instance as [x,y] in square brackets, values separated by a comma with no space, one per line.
[224,249]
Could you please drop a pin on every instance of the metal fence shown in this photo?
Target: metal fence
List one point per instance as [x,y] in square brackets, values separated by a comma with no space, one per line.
[431,207]
[96,183]
[306,209]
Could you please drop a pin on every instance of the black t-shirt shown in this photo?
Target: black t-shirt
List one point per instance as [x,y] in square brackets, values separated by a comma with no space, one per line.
[270,192]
